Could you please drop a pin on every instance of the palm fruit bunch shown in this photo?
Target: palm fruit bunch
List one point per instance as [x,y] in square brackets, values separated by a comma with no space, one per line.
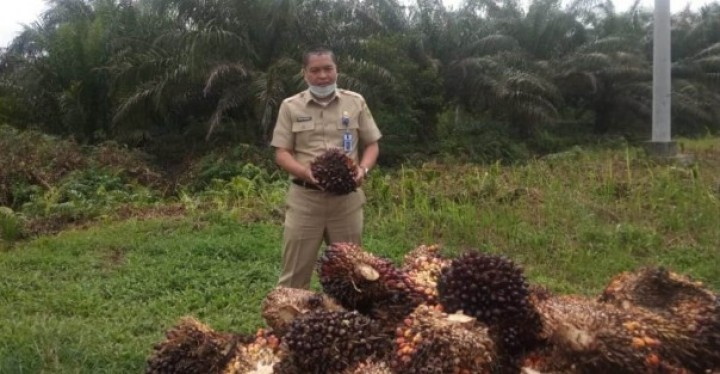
[430,341]
[659,290]
[494,290]
[675,297]
[331,342]
[335,172]
[423,265]
[366,283]
[602,338]
[256,357]
[283,304]
[191,347]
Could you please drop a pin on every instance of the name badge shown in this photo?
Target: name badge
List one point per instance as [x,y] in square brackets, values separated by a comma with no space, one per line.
[303,119]
[347,142]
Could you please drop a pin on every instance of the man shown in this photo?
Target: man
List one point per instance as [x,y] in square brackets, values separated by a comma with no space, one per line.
[308,124]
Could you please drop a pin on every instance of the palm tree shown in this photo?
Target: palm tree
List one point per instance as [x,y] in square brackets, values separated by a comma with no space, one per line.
[609,78]
[53,68]
[696,70]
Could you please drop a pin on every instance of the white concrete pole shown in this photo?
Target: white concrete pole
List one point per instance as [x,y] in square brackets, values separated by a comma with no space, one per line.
[661,73]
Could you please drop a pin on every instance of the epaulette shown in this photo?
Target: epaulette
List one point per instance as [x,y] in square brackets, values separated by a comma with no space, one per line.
[298,95]
[350,93]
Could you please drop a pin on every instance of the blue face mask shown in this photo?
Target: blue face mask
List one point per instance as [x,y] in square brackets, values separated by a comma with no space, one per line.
[323,91]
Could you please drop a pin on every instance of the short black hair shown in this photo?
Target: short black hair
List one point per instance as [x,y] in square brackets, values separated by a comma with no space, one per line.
[318,51]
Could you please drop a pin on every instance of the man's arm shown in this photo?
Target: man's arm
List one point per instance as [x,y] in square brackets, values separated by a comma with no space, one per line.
[369,157]
[286,160]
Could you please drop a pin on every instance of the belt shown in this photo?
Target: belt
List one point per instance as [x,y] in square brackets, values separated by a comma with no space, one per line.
[305,184]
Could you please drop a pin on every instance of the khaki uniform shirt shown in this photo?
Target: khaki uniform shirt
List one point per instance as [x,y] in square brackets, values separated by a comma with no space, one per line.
[308,127]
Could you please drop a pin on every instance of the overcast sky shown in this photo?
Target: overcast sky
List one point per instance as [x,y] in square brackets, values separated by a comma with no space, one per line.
[15,13]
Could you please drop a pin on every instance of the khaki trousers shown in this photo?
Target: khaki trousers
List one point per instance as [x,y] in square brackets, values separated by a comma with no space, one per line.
[312,216]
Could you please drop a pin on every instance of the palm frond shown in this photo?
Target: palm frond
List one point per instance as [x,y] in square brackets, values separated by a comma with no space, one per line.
[607,45]
[493,44]
[229,100]
[712,50]
[141,95]
[220,71]
[710,63]
[588,62]
[627,74]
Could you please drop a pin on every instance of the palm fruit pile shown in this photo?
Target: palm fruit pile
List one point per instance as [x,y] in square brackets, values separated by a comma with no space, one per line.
[283,304]
[335,172]
[474,313]
[677,298]
[367,283]
[331,342]
[423,265]
[430,341]
[193,347]
[494,290]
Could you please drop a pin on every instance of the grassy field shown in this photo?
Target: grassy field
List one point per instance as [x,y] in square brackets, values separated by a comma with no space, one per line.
[95,299]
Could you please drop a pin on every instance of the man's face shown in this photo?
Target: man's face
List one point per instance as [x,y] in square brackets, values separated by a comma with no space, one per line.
[320,70]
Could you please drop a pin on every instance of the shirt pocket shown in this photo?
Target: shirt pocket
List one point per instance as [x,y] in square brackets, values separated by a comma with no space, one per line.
[352,124]
[303,126]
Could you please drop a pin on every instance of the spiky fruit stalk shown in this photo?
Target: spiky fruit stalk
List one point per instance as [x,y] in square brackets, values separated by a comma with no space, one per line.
[494,290]
[335,172]
[361,281]
[283,304]
[598,337]
[430,341]
[331,342]
[423,265]
[256,357]
[370,366]
[675,297]
[192,347]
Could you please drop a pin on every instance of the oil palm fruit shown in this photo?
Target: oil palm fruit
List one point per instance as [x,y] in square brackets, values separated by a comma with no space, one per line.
[335,172]
[494,290]
[283,304]
[677,297]
[332,342]
[190,347]
[256,357]
[596,337]
[367,283]
[430,341]
[423,265]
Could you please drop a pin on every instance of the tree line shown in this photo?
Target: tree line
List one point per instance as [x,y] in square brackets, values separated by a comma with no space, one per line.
[212,71]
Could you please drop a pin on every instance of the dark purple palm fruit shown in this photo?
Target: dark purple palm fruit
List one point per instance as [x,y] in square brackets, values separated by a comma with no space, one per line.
[331,342]
[335,172]
[494,290]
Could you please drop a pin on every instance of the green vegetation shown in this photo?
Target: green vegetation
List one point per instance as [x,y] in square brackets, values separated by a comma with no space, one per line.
[136,185]
[95,297]
[179,78]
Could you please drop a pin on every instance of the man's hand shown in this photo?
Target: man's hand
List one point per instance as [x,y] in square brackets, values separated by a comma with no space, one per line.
[308,176]
[360,175]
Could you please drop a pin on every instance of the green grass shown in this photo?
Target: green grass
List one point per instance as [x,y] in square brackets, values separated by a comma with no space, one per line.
[95,300]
